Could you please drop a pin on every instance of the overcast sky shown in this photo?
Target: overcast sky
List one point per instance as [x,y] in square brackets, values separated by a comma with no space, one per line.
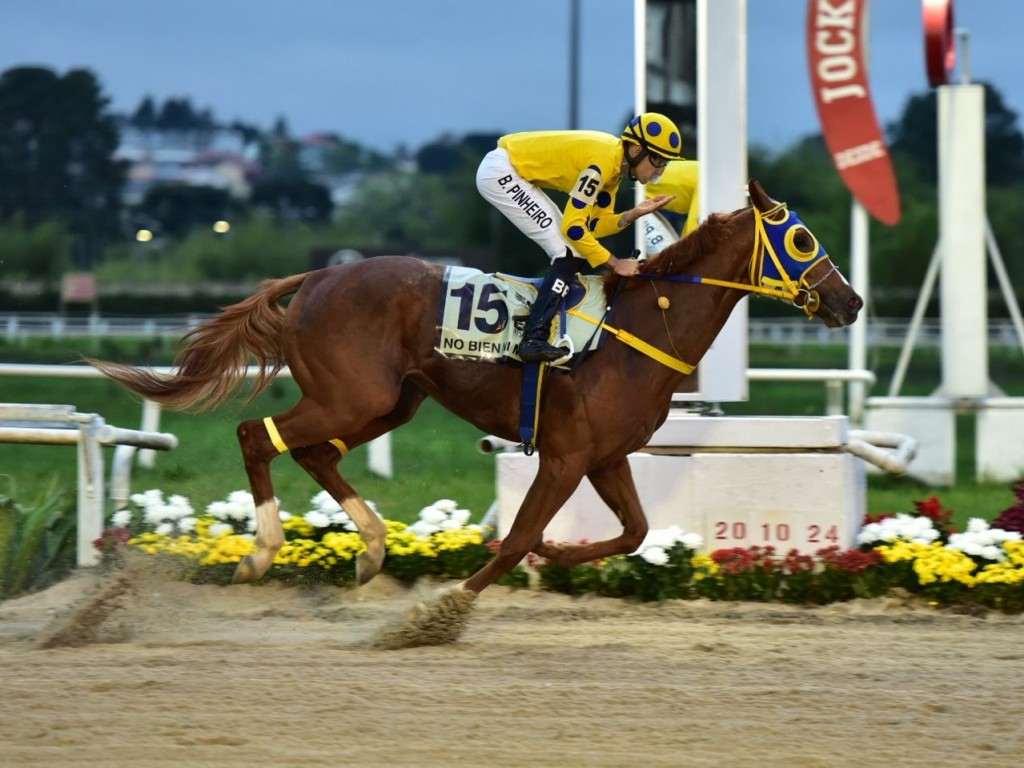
[403,72]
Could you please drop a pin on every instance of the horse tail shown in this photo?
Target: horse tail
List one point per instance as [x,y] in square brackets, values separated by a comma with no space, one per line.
[211,365]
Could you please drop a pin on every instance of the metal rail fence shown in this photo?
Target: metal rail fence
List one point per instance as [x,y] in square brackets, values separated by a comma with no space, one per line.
[884,332]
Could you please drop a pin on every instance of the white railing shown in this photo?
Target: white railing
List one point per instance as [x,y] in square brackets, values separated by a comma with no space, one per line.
[64,425]
[881,332]
[378,451]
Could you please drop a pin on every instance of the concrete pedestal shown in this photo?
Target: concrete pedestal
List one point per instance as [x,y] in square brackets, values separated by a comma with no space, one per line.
[931,422]
[790,486]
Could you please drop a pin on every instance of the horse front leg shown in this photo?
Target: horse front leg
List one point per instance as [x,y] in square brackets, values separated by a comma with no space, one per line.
[555,482]
[614,484]
[257,453]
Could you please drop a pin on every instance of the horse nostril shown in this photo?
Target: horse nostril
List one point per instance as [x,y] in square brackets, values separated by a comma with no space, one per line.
[855,303]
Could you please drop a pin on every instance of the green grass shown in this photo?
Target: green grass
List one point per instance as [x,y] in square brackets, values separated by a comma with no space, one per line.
[435,455]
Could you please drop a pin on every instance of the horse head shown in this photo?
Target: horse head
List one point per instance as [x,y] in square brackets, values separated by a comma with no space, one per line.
[788,263]
[765,249]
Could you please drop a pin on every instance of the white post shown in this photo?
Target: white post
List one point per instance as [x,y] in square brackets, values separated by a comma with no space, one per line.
[91,497]
[639,95]
[962,237]
[860,277]
[378,457]
[150,423]
[722,149]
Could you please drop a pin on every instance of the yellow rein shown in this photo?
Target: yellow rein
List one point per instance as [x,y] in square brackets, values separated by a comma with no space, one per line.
[761,245]
[640,345]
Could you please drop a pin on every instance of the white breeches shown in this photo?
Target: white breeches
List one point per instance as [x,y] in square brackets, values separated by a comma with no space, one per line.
[523,203]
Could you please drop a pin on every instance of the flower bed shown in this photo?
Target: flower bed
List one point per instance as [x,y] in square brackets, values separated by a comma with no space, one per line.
[919,553]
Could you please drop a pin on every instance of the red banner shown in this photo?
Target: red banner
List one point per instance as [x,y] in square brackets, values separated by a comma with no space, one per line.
[835,31]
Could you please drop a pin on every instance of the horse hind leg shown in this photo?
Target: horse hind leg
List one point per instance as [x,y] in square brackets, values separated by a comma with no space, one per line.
[320,461]
[258,450]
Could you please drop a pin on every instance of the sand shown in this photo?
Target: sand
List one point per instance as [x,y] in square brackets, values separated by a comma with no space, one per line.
[136,669]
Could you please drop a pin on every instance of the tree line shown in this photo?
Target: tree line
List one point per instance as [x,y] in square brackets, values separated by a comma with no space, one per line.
[61,201]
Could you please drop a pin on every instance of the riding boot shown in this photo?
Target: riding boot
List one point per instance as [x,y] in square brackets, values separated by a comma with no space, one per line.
[535,346]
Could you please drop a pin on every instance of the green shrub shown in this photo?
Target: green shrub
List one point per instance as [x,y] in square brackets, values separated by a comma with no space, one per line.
[37,542]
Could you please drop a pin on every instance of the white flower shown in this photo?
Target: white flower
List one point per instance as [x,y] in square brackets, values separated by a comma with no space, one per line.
[445,505]
[423,529]
[121,518]
[666,538]
[153,514]
[461,516]
[655,555]
[433,515]
[341,518]
[177,507]
[148,498]
[325,503]
[692,541]
[317,519]
[187,524]
[220,528]
[914,528]
[165,529]
[976,525]
[979,540]
[450,525]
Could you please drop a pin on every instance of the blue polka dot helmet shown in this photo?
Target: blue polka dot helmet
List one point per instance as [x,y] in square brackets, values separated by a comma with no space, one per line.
[655,133]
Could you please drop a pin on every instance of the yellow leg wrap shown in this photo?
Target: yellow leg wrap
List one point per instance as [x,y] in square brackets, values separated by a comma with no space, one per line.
[340,445]
[274,435]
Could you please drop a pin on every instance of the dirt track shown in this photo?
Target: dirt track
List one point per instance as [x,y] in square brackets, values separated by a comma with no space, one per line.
[187,675]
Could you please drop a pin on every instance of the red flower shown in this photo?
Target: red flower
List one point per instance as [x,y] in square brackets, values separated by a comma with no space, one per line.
[932,507]
[850,560]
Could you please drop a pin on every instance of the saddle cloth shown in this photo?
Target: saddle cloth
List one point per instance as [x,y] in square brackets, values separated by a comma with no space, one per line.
[482,315]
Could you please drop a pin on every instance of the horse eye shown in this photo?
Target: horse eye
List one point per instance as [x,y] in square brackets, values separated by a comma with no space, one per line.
[804,242]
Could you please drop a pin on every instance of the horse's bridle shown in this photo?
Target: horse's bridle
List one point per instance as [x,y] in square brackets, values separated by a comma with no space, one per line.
[772,234]
[772,230]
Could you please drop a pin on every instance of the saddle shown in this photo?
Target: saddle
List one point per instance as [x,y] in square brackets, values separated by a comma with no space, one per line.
[482,315]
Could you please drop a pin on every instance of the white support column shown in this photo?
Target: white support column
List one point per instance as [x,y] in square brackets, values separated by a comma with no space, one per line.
[962,239]
[722,149]
[150,423]
[860,277]
[91,495]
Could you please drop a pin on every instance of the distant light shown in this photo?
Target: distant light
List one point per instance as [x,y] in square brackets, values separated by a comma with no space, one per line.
[143,235]
[221,227]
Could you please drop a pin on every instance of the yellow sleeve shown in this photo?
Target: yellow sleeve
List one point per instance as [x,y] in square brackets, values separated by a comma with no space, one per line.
[693,215]
[590,213]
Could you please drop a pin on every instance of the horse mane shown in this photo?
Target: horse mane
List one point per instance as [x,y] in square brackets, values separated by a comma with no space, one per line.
[681,254]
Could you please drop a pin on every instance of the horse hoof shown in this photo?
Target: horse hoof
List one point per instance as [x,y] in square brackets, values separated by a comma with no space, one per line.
[245,572]
[368,566]
[437,621]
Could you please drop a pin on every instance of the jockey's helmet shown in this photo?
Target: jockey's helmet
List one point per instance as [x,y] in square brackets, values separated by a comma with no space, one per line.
[656,134]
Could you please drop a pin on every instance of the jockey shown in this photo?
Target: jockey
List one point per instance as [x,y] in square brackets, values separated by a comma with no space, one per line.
[588,166]
[680,182]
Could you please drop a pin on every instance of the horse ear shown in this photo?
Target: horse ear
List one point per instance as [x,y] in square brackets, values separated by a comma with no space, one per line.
[758,197]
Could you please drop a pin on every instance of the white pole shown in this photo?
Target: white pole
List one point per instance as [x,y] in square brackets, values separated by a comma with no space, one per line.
[722,149]
[150,423]
[91,496]
[962,237]
[861,278]
[639,94]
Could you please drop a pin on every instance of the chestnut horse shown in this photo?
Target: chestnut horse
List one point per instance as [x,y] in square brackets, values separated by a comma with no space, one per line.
[359,340]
